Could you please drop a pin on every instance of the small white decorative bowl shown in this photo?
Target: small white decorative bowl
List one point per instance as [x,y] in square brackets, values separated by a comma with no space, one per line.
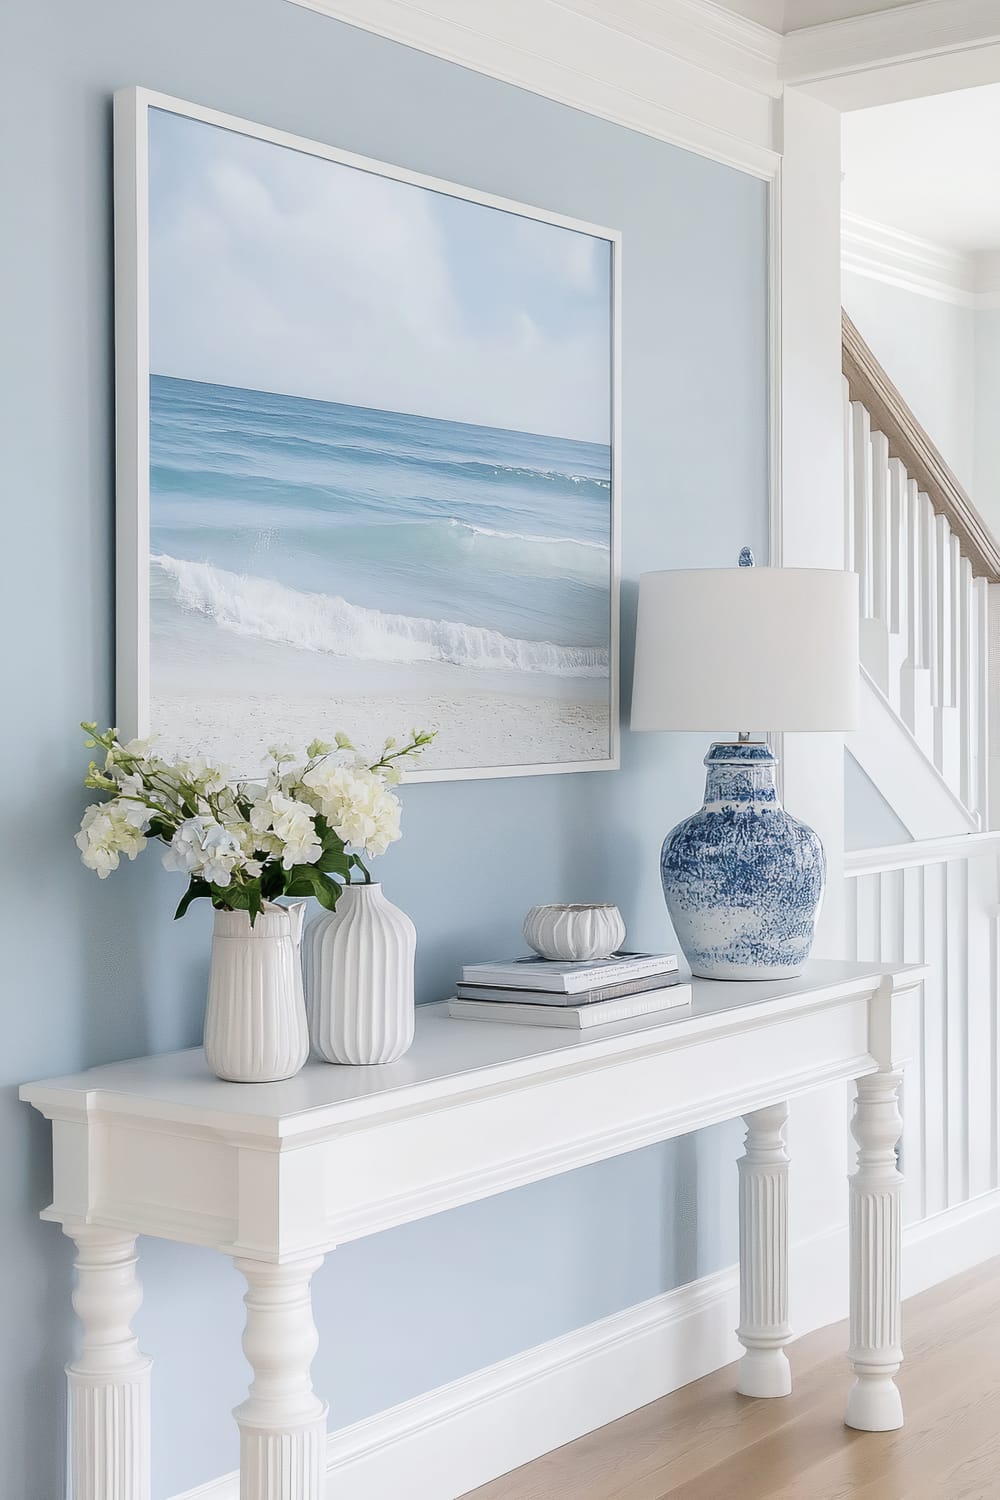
[575,933]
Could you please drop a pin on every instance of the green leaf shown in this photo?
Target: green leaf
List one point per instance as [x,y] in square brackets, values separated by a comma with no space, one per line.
[334,861]
[255,904]
[195,891]
[307,880]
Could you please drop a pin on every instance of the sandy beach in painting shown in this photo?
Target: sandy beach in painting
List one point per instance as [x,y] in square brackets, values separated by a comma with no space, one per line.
[490,730]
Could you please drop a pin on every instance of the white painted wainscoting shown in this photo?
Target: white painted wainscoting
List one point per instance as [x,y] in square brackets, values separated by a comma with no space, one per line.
[938,902]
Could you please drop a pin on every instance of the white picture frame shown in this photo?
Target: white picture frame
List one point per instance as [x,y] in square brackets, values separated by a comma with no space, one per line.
[132,107]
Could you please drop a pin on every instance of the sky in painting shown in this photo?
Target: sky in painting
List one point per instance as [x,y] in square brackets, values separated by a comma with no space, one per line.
[281,271]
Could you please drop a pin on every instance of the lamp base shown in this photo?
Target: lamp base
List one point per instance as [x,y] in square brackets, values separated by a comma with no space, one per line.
[743,880]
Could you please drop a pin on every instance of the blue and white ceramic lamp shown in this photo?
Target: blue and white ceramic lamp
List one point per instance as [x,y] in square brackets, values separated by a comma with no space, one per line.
[774,647]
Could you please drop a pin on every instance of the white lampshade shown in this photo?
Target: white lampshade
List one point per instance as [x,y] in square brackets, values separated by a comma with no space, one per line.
[746,648]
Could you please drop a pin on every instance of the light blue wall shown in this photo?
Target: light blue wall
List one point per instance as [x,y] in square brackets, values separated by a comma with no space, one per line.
[97,971]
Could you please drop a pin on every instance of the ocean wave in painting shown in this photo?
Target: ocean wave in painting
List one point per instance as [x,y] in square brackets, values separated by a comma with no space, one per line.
[377,535]
[270,611]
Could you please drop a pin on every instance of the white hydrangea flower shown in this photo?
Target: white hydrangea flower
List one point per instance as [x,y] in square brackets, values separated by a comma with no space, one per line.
[202,847]
[202,774]
[108,830]
[357,804]
[285,827]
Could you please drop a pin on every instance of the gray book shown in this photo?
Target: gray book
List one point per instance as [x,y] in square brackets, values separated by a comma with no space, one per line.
[533,973]
[574,1017]
[497,994]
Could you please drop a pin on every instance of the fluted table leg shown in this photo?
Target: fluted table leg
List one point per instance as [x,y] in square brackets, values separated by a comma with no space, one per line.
[282,1422]
[764,1330]
[109,1379]
[874,1404]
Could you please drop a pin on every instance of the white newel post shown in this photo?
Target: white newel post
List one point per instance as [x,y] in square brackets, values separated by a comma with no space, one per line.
[764,1330]
[874,1404]
[282,1422]
[109,1379]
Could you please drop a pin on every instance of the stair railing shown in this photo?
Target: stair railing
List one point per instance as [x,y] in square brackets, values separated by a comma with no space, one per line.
[929,569]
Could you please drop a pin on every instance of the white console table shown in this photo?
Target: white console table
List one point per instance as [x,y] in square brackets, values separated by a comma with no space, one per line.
[276,1175]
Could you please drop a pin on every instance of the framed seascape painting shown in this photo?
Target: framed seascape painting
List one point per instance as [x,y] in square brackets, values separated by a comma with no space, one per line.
[367,455]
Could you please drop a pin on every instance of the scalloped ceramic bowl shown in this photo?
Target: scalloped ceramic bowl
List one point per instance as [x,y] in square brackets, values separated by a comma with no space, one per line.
[575,933]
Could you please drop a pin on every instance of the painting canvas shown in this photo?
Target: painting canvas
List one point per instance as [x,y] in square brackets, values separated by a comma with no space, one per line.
[372,481]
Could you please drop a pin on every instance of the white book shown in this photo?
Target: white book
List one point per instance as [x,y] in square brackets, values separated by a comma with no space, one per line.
[577,1017]
[534,973]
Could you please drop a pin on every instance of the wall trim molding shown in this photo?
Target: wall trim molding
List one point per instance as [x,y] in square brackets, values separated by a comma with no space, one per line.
[858,862]
[899,259]
[718,71]
[471,1431]
[948,1243]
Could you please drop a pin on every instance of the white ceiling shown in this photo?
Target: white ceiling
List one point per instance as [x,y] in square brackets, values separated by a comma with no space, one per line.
[929,167]
[792,15]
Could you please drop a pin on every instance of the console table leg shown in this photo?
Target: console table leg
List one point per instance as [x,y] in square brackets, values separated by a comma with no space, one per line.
[282,1422]
[874,1404]
[109,1380]
[764,1330]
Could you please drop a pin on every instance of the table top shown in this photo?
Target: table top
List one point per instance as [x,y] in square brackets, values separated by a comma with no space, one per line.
[448,1057]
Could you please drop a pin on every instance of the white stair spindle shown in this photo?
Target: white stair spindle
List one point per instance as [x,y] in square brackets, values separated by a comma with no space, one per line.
[981,591]
[881,546]
[848,481]
[862,489]
[966,695]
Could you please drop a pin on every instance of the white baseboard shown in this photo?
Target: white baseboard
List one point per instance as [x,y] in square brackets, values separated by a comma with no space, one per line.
[951,1242]
[462,1435]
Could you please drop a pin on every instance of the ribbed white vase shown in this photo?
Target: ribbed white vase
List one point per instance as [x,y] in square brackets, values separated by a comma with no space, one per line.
[575,933]
[359,978]
[255,1024]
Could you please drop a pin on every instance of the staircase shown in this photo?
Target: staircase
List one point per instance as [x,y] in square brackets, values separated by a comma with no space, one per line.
[929,572]
[926,563]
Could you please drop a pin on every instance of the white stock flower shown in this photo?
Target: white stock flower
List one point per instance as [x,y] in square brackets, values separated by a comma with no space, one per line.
[285,827]
[357,804]
[108,830]
[139,748]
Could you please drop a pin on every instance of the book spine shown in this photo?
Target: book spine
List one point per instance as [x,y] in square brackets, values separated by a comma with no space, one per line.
[644,969]
[627,1010]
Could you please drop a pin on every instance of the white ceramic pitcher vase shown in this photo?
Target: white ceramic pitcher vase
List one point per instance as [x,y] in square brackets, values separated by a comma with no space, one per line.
[255,1024]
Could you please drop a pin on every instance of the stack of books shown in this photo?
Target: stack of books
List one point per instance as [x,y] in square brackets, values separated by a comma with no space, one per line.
[543,992]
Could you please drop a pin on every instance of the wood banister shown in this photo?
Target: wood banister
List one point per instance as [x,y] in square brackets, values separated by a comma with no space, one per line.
[870,385]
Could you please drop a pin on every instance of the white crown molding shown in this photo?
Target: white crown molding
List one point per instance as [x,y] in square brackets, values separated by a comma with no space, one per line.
[889,255]
[703,33]
[926,28]
[892,256]
[693,72]
[987,263]
[622,67]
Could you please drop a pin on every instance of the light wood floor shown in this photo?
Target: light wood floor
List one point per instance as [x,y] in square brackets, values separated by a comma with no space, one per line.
[706,1443]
